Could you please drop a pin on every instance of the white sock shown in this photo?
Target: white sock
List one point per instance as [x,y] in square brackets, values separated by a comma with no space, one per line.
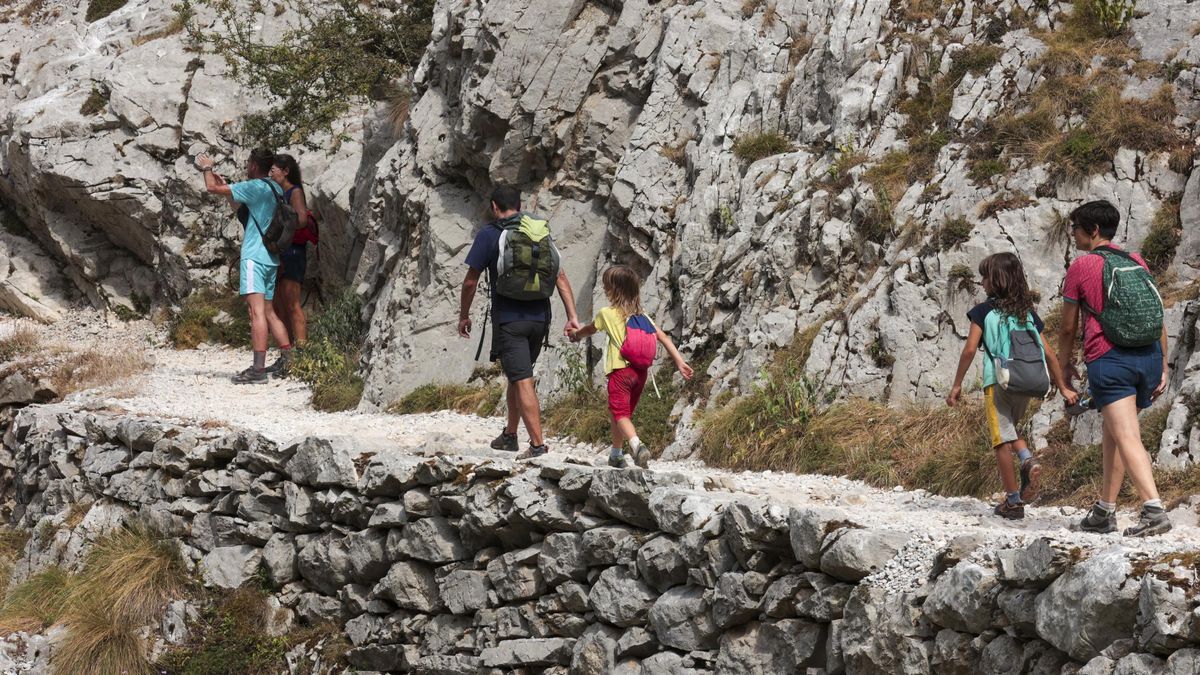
[634,443]
[1155,503]
[1107,506]
[615,451]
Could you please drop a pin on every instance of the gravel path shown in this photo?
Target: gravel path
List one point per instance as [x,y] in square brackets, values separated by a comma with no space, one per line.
[194,385]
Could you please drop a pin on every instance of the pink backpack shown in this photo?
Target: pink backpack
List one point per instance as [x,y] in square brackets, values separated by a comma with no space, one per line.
[641,342]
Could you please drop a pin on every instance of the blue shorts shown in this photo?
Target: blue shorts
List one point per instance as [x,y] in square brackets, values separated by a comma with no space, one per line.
[1124,372]
[256,277]
[293,262]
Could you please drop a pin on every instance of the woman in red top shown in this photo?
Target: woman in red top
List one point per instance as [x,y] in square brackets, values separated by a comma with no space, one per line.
[293,262]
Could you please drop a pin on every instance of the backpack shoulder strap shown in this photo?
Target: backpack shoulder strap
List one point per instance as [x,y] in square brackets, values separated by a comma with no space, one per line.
[1101,250]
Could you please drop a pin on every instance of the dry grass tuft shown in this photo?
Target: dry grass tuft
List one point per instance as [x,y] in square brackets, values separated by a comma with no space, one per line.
[1158,248]
[37,603]
[1003,203]
[91,369]
[175,26]
[481,399]
[753,146]
[24,339]
[12,544]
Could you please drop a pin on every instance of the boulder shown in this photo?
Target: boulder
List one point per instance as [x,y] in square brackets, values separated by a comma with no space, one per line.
[1089,606]
[530,652]
[852,553]
[230,567]
[885,632]
[731,603]
[624,494]
[956,653]
[1166,618]
[681,619]
[770,647]
[515,575]
[620,599]
[464,591]
[595,651]
[964,599]
[660,563]
[807,528]
[1036,565]
[561,558]
[432,540]
[411,585]
[324,462]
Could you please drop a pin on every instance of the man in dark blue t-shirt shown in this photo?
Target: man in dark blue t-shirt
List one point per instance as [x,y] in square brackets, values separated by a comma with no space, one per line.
[519,327]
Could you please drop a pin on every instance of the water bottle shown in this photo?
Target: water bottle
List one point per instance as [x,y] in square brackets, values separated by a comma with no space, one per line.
[1081,406]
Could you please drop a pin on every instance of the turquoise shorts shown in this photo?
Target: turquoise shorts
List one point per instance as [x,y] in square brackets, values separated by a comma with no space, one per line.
[256,277]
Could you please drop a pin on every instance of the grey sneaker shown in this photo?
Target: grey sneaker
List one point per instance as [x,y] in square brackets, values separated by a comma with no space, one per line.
[1099,521]
[506,442]
[617,460]
[642,457]
[281,366]
[250,376]
[1153,520]
[534,451]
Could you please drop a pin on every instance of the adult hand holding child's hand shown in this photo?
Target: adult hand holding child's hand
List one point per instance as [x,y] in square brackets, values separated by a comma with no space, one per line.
[953,396]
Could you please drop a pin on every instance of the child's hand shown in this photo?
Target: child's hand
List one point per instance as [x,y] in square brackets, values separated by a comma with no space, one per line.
[954,395]
[684,369]
[1069,395]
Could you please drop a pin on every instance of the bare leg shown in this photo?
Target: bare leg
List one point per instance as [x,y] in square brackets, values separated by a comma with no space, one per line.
[1121,425]
[1114,471]
[514,409]
[279,302]
[1004,460]
[278,330]
[288,296]
[528,399]
[255,305]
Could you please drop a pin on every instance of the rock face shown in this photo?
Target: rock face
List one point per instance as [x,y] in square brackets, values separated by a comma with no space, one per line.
[729,594]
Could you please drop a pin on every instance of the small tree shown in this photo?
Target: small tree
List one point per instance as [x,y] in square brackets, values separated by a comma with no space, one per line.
[337,53]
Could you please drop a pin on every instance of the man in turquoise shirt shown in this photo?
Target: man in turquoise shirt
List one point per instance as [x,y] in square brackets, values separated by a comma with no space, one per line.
[256,267]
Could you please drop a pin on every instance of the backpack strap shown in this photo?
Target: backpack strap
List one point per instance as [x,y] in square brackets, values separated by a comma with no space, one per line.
[1101,250]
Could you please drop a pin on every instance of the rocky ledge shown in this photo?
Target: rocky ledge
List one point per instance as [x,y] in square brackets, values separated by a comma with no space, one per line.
[437,563]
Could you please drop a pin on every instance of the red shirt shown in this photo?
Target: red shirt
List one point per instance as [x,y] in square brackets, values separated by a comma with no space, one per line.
[1084,285]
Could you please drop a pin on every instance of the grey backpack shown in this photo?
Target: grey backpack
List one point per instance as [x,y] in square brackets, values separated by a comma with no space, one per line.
[1016,351]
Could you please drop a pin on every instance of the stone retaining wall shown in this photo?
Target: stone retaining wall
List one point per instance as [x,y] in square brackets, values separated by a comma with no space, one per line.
[454,564]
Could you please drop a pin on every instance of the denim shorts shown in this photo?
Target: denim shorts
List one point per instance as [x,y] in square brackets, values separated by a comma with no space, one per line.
[293,263]
[1124,372]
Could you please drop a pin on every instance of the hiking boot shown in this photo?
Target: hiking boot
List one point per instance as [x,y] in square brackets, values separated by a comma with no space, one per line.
[617,460]
[506,442]
[281,366]
[1153,520]
[1031,473]
[1009,511]
[1099,521]
[250,376]
[641,457]
[534,451]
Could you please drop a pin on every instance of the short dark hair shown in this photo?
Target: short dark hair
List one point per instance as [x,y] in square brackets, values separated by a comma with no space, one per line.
[506,198]
[290,168]
[1099,214]
[263,159]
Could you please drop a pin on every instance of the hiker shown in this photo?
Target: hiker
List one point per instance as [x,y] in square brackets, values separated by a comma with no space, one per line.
[256,266]
[632,345]
[1125,350]
[294,261]
[523,270]
[1020,365]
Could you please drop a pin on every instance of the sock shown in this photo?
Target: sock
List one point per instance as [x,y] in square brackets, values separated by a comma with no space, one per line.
[1153,504]
[1107,506]
[1024,454]
[614,451]
[260,360]
[1014,498]
[635,443]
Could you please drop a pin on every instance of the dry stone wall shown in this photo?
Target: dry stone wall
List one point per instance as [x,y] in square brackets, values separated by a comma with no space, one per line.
[476,564]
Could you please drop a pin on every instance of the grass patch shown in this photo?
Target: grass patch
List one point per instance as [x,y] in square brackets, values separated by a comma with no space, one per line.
[24,339]
[12,545]
[328,362]
[753,146]
[985,169]
[231,637]
[98,9]
[37,603]
[953,233]
[174,27]
[211,315]
[95,103]
[479,399]
[962,278]
[1158,248]
[91,369]
[1011,202]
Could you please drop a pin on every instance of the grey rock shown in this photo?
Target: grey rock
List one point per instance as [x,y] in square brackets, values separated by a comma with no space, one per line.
[464,591]
[303,513]
[1002,656]
[324,563]
[410,585]
[316,608]
[956,653]
[884,632]
[378,657]
[535,652]
[808,528]
[1166,620]
[770,647]
[680,619]
[279,559]
[851,553]
[753,529]
[731,603]
[660,563]
[620,599]
[824,599]
[625,493]
[1089,606]
[324,462]
[1140,664]
[1035,565]
[561,558]
[1019,608]
[611,545]
[418,502]
[441,664]
[515,575]
[388,514]
[964,599]
[367,555]
[594,652]
[105,460]
[176,620]
[230,567]
[1183,662]
[779,602]
[636,642]
[679,511]
[389,474]
[433,540]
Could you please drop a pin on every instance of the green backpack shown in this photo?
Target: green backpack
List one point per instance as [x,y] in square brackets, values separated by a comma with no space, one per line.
[528,264]
[1133,309]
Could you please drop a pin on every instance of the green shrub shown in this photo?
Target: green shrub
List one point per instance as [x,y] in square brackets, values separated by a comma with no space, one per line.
[98,9]
[231,637]
[1113,16]
[962,277]
[984,169]
[975,59]
[336,54]
[953,233]
[95,104]
[1158,248]
[196,320]
[753,146]
[328,362]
